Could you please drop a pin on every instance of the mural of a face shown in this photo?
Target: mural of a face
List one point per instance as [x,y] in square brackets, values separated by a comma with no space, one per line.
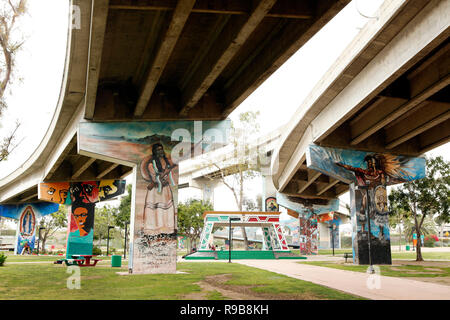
[85,192]
[54,192]
[381,199]
[63,193]
[271,204]
[108,188]
[81,216]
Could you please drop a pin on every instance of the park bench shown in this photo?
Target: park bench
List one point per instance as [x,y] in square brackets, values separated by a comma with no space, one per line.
[348,255]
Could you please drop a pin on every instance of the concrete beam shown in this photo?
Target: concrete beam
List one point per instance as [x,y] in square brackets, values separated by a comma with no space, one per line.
[228,44]
[99,15]
[415,101]
[81,165]
[332,183]
[417,123]
[283,8]
[179,18]
[428,29]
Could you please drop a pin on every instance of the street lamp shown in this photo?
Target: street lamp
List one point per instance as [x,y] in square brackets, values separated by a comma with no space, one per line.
[229,238]
[39,239]
[107,242]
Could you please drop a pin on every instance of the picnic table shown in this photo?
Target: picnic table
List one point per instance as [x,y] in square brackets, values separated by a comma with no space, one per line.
[82,260]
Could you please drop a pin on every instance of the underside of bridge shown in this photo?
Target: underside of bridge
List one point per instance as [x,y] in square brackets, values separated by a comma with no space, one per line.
[406,113]
[159,60]
[172,60]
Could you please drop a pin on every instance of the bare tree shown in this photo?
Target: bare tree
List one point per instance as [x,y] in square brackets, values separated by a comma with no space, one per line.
[10,12]
[246,165]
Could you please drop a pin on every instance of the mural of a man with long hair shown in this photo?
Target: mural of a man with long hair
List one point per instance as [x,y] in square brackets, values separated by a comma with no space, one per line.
[161,174]
[381,169]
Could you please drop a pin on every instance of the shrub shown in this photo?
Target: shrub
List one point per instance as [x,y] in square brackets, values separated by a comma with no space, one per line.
[96,251]
[2,258]
[429,241]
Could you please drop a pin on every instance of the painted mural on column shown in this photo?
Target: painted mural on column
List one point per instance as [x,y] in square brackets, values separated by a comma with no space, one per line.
[271,204]
[82,197]
[308,213]
[370,205]
[306,207]
[368,173]
[333,221]
[154,149]
[28,215]
[365,168]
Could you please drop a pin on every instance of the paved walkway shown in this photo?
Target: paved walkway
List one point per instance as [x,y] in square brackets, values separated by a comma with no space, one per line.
[357,283]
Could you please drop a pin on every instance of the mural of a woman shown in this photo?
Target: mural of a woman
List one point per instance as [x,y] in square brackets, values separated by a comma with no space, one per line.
[161,174]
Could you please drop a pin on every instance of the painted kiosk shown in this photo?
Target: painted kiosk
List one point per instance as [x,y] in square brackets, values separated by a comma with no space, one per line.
[274,242]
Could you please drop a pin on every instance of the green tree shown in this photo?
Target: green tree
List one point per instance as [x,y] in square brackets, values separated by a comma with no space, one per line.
[190,219]
[426,197]
[122,215]
[104,217]
[428,227]
[10,12]
[52,223]
[247,164]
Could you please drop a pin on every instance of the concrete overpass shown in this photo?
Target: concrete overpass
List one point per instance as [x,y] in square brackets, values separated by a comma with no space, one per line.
[383,104]
[209,167]
[165,61]
[128,64]
[387,92]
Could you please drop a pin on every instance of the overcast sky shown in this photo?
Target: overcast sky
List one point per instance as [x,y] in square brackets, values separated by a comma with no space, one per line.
[40,65]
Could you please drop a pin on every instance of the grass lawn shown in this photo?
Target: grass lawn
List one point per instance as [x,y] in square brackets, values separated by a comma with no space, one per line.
[35,258]
[212,281]
[410,255]
[391,271]
[425,255]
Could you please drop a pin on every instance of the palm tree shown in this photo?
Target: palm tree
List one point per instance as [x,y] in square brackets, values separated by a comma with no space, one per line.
[428,227]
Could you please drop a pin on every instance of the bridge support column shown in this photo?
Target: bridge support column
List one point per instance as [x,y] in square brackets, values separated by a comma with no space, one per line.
[370,219]
[153,149]
[309,235]
[81,197]
[308,211]
[368,174]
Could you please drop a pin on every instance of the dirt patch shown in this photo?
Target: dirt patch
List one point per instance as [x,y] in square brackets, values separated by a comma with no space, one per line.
[431,270]
[441,264]
[232,292]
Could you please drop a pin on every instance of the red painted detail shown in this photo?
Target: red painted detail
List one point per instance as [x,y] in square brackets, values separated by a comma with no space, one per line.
[274,219]
[252,220]
[262,218]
